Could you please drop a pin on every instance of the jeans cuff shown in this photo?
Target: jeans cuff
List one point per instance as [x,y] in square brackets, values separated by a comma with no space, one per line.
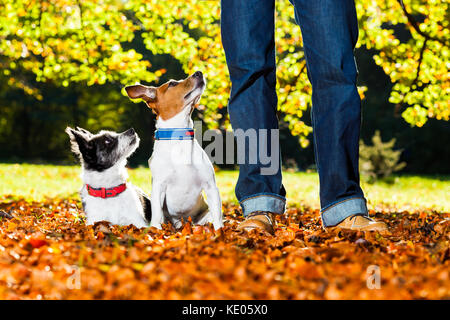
[263,202]
[335,213]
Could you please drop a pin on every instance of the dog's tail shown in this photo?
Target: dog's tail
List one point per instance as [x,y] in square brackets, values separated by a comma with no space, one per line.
[146,203]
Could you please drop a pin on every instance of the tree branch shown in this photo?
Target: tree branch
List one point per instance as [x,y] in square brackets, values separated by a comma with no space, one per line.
[422,50]
[413,22]
[83,35]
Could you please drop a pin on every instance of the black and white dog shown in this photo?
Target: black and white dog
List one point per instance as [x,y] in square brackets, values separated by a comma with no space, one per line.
[106,194]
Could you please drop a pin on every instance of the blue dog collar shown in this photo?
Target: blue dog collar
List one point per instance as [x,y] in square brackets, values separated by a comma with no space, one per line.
[174,134]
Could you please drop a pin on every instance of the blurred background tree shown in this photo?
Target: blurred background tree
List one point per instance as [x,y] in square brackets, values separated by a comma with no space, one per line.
[379,160]
[65,62]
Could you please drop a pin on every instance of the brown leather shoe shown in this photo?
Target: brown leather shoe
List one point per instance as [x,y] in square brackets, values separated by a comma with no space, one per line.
[362,223]
[262,220]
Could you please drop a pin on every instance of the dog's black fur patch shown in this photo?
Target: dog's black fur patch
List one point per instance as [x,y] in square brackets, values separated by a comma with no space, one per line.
[101,154]
[97,153]
[146,204]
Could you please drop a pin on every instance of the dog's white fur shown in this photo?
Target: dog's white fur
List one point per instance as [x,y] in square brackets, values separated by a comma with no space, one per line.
[124,209]
[181,172]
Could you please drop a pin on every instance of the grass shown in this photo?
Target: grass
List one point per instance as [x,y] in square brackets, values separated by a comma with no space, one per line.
[37,182]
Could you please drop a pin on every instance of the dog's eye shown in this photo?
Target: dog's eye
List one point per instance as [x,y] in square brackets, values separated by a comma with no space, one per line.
[172,84]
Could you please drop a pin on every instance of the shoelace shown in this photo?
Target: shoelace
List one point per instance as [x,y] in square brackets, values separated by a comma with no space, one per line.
[358,215]
[260,213]
[352,219]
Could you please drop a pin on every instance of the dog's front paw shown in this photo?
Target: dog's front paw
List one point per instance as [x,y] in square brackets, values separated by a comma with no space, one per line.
[156,225]
[218,225]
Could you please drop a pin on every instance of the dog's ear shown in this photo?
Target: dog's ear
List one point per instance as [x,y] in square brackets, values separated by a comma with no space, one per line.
[139,91]
[79,141]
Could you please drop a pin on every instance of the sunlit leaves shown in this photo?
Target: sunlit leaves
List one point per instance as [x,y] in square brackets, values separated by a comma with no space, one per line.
[417,63]
[71,41]
[89,41]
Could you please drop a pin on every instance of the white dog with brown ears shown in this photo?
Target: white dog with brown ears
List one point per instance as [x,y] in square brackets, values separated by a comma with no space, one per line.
[181,170]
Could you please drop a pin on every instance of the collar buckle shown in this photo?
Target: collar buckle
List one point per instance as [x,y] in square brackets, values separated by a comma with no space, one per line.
[106,192]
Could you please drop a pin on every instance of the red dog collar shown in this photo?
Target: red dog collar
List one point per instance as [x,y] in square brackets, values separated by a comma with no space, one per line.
[106,192]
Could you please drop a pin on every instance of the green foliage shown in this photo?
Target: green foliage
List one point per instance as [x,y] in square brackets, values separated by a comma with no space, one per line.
[412,41]
[68,41]
[93,43]
[379,160]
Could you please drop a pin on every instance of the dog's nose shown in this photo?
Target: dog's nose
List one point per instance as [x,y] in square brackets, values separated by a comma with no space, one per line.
[198,74]
[130,131]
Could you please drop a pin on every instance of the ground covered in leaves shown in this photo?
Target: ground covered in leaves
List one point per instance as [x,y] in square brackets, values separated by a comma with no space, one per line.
[47,252]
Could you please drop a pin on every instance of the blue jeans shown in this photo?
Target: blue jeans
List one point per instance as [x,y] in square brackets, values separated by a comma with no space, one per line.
[330,32]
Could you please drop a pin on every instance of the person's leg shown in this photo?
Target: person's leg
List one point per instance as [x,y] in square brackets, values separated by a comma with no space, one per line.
[248,40]
[330,32]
